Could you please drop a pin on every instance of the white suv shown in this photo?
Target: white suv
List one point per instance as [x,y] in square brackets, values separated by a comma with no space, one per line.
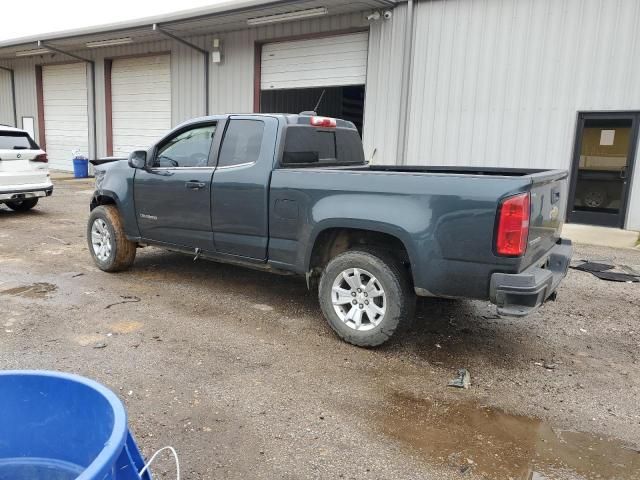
[24,172]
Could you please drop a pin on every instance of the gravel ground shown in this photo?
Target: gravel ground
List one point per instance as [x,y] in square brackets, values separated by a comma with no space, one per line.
[238,370]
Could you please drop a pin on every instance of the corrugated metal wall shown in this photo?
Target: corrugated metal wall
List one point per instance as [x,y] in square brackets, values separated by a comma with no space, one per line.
[384,84]
[499,82]
[6,100]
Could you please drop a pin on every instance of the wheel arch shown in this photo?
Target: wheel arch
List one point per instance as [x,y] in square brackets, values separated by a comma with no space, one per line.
[332,238]
[104,198]
[126,210]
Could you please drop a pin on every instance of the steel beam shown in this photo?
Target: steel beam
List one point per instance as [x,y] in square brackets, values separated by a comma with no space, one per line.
[157,28]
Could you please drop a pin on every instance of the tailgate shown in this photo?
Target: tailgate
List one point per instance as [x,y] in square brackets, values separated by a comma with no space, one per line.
[17,169]
[548,200]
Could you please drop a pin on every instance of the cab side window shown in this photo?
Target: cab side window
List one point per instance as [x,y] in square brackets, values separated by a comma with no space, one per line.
[189,148]
[242,142]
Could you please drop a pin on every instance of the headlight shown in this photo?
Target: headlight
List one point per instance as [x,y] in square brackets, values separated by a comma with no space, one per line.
[99,174]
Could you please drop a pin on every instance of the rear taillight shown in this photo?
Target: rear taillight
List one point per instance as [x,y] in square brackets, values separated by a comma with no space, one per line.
[41,158]
[513,226]
[323,122]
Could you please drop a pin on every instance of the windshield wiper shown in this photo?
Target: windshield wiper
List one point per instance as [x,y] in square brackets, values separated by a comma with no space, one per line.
[21,148]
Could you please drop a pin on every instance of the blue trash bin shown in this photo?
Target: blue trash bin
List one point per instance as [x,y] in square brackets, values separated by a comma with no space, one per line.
[57,426]
[80,167]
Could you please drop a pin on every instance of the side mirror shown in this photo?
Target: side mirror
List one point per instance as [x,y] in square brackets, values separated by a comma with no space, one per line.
[138,159]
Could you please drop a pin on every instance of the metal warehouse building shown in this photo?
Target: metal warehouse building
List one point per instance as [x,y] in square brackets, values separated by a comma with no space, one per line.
[505,83]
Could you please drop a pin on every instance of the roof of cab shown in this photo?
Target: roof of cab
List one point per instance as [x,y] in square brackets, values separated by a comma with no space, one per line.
[289,118]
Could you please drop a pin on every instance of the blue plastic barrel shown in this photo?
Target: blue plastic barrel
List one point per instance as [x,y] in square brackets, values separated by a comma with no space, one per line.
[80,167]
[57,426]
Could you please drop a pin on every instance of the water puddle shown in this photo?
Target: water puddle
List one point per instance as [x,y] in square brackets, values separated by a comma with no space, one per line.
[496,445]
[34,290]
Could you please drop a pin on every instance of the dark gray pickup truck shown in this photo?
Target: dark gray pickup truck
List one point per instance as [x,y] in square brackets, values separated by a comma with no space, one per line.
[293,194]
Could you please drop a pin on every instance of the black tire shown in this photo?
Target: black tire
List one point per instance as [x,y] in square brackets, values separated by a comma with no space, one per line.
[595,197]
[23,205]
[394,280]
[123,250]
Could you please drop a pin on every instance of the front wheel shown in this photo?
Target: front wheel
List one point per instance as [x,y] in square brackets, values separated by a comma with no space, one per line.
[366,296]
[23,205]
[108,244]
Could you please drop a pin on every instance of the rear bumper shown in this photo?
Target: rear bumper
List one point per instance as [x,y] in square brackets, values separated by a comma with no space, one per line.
[522,293]
[19,194]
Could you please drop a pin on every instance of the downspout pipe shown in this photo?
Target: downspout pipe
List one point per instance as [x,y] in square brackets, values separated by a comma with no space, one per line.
[92,64]
[407,60]
[12,78]
[157,28]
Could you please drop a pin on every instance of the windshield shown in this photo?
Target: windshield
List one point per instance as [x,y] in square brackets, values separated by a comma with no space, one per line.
[16,141]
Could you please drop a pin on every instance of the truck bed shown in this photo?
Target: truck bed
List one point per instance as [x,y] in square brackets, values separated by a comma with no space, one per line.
[446,216]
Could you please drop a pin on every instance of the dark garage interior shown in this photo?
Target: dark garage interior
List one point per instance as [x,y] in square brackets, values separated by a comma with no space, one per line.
[339,102]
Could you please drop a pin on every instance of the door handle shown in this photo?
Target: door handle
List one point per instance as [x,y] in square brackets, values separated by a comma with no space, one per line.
[194,185]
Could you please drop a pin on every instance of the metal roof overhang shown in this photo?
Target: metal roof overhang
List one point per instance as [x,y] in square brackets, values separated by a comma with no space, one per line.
[228,16]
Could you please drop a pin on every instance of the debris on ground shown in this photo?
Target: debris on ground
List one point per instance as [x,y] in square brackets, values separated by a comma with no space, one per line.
[463,380]
[546,365]
[604,271]
[64,242]
[587,266]
[617,277]
[100,345]
[126,299]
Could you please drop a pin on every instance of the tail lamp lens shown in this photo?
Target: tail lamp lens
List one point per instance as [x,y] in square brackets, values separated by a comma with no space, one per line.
[513,226]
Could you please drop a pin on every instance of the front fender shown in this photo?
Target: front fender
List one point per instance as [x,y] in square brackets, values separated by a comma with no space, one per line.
[116,187]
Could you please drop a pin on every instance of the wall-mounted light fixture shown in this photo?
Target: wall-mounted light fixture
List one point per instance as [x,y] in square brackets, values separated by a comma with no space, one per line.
[289,16]
[30,53]
[110,43]
[216,51]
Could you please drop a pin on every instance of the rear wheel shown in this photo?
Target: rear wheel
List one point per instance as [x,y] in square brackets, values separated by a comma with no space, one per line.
[108,244]
[366,296]
[22,205]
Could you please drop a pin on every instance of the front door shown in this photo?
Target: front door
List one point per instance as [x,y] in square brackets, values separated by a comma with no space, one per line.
[602,168]
[173,195]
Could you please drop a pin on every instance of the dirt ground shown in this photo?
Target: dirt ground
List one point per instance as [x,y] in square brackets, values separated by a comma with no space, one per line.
[238,370]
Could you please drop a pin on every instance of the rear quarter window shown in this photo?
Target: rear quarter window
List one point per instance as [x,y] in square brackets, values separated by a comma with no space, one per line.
[242,143]
[16,141]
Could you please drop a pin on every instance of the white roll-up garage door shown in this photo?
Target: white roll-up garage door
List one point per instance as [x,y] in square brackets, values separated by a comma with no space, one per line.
[140,102]
[322,62]
[66,118]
